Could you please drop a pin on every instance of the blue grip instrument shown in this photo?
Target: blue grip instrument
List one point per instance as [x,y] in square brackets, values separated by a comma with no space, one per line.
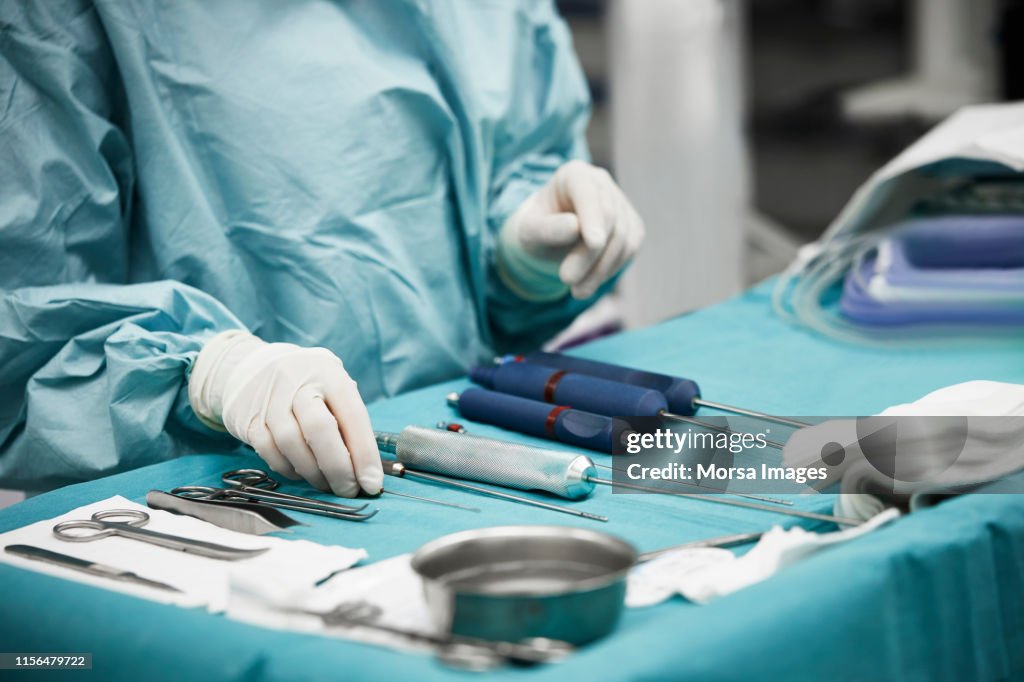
[681,395]
[560,387]
[557,422]
[554,422]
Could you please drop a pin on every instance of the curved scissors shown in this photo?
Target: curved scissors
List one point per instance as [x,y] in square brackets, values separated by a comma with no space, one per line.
[105,525]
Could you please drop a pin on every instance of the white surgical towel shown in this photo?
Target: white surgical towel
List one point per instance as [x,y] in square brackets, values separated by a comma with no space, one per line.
[701,576]
[203,582]
[390,585]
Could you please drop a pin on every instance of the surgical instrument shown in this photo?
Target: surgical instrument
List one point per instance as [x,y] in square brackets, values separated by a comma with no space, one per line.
[721,541]
[682,395]
[392,468]
[544,420]
[812,516]
[451,426]
[511,465]
[131,528]
[248,479]
[532,417]
[451,505]
[91,567]
[457,650]
[514,465]
[259,486]
[242,517]
[760,498]
[332,511]
[590,393]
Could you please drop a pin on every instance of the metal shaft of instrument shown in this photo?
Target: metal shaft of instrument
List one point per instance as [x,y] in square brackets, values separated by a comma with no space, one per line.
[735,503]
[721,541]
[320,511]
[772,500]
[714,427]
[307,503]
[505,496]
[750,413]
[427,499]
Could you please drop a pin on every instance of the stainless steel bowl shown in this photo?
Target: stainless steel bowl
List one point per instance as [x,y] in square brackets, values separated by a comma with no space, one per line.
[516,582]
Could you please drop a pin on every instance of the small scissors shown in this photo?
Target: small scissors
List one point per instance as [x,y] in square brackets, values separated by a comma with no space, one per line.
[129,525]
[256,485]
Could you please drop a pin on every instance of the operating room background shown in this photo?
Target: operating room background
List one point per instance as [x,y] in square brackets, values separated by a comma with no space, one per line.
[741,127]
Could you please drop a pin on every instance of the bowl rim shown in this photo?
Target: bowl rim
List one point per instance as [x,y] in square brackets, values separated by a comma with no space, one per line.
[429,549]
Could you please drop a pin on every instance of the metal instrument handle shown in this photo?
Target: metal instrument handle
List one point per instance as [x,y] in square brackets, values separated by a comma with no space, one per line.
[136,517]
[257,485]
[103,530]
[251,478]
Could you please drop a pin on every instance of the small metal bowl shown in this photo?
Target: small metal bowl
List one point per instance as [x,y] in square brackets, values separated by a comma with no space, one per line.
[512,583]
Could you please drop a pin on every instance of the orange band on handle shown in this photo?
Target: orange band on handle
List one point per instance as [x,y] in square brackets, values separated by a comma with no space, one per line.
[549,423]
[551,385]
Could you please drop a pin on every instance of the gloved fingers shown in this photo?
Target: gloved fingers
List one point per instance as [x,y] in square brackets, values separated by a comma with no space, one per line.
[320,428]
[577,263]
[291,443]
[346,404]
[586,188]
[550,235]
[609,262]
[622,246]
[263,443]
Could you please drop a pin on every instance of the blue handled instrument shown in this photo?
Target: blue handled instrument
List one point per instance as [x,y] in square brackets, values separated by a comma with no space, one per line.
[534,418]
[681,396]
[586,394]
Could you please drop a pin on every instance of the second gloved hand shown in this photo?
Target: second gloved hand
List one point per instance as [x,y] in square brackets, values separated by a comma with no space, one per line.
[573,234]
[297,407]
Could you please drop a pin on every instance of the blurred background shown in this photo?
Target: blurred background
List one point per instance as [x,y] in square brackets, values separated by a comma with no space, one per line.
[740,128]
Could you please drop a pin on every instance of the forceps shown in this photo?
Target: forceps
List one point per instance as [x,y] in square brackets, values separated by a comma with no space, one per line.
[130,526]
[469,653]
[256,485]
[248,479]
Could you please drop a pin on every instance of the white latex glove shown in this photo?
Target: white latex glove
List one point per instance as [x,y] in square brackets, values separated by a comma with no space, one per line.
[573,234]
[297,407]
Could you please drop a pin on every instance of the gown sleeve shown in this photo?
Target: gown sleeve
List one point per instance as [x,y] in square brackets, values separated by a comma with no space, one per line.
[544,128]
[93,367]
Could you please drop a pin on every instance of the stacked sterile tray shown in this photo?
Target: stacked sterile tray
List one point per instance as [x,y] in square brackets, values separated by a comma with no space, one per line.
[953,269]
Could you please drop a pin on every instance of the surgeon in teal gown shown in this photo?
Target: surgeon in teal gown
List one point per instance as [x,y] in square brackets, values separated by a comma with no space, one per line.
[310,204]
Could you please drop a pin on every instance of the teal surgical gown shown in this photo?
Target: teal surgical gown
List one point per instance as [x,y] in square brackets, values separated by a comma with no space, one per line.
[326,173]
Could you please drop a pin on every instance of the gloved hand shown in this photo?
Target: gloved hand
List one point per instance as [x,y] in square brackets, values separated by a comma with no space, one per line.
[574,233]
[297,407]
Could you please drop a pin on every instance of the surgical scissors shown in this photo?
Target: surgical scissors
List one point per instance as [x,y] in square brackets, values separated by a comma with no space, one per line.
[256,485]
[106,525]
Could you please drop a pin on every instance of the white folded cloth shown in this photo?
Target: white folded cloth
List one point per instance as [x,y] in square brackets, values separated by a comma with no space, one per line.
[390,586]
[203,582]
[948,441]
[703,574]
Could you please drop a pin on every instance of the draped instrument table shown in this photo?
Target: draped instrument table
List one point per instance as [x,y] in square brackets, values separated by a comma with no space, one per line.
[938,595]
